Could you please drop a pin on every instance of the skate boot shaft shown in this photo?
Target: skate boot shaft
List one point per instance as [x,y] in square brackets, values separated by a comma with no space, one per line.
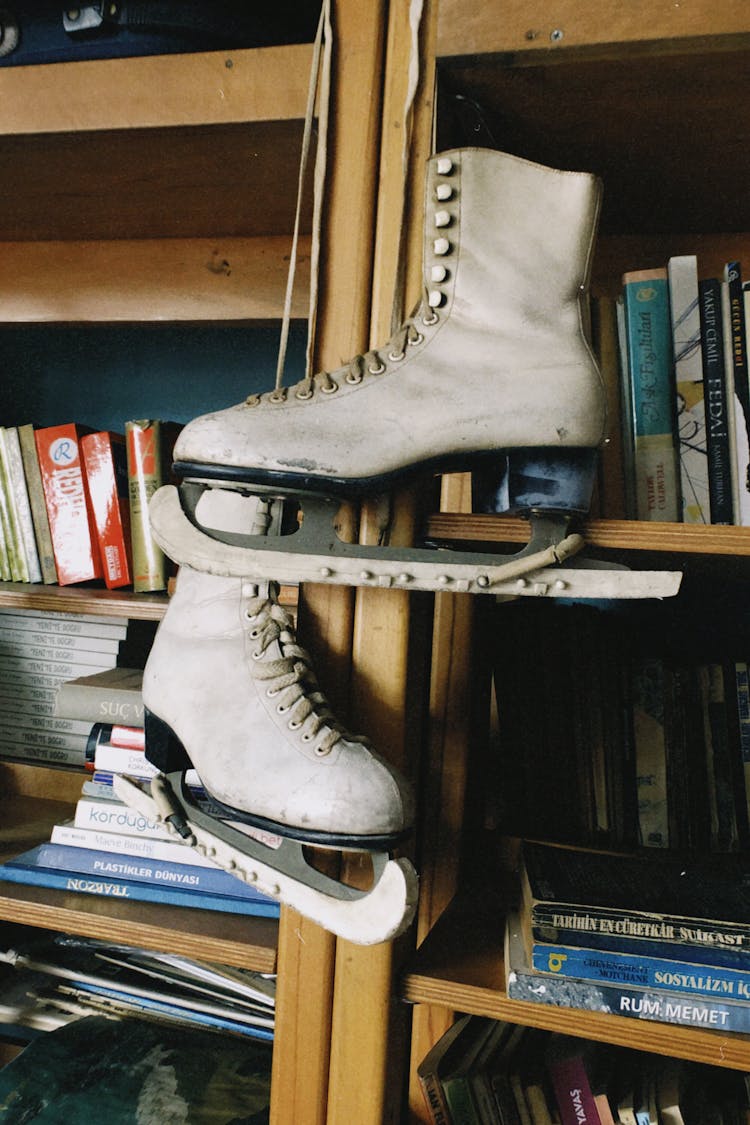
[229,691]
[495,359]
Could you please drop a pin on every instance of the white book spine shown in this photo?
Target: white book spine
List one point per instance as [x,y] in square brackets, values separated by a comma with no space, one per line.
[23,639]
[170,851]
[60,669]
[49,755]
[118,759]
[23,507]
[107,816]
[73,627]
[688,369]
[60,615]
[29,717]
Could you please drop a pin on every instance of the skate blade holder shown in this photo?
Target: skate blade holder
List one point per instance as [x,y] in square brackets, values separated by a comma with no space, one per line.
[315,553]
[277,866]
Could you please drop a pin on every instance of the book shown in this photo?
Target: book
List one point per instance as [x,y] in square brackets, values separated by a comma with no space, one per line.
[53,645]
[71,625]
[640,969]
[68,509]
[735,358]
[148,442]
[105,458]
[566,1064]
[652,400]
[120,759]
[14,547]
[122,844]
[684,305]
[26,713]
[112,695]
[119,735]
[649,735]
[40,519]
[27,870]
[20,493]
[717,403]
[456,1073]
[109,816]
[658,1004]
[694,901]
[208,879]
[430,1068]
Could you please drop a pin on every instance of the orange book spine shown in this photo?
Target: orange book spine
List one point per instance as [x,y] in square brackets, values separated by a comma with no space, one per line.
[66,497]
[105,461]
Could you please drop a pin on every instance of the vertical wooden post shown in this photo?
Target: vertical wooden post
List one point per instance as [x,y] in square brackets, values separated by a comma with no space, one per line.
[370,1027]
[306,952]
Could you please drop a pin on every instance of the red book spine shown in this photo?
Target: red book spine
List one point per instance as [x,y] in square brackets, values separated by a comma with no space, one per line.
[573,1091]
[131,738]
[66,497]
[105,460]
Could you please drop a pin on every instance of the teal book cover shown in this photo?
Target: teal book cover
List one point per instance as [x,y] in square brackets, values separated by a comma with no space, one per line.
[652,395]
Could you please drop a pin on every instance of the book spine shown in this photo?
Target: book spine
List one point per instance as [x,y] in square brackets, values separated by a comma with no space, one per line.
[642,971]
[15,558]
[707,955]
[26,714]
[22,503]
[37,503]
[106,817]
[65,494]
[72,627]
[736,360]
[649,340]
[19,669]
[617,999]
[692,444]
[572,1091]
[432,1092]
[145,475]
[118,759]
[548,917]
[118,843]
[716,407]
[105,459]
[17,673]
[100,705]
[57,740]
[119,735]
[62,616]
[58,644]
[44,755]
[649,737]
[208,880]
[41,697]
[138,892]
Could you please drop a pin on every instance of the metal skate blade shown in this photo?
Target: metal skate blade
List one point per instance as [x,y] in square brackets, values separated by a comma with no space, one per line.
[315,553]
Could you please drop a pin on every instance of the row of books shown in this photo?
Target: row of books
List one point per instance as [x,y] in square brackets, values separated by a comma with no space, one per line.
[106,848]
[73,504]
[490,1072]
[678,349]
[621,728]
[650,935]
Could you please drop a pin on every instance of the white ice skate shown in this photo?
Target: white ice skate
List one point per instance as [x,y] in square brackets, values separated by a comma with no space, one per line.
[493,373]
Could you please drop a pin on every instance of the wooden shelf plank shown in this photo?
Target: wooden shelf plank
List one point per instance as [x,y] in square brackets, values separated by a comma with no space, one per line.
[619,535]
[460,966]
[232,939]
[145,280]
[521,30]
[82,599]
[263,84]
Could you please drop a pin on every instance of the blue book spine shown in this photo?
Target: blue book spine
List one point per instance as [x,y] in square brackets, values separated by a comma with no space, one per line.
[644,1003]
[653,404]
[640,970]
[729,957]
[24,869]
[106,865]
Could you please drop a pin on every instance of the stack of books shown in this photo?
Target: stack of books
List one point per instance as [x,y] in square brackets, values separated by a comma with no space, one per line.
[489,1072]
[651,936]
[673,351]
[73,503]
[109,849]
[38,652]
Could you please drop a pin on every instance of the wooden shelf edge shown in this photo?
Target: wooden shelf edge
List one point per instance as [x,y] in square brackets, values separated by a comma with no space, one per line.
[77,599]
[246,85]
[229,939]
[460,966]
[619,535]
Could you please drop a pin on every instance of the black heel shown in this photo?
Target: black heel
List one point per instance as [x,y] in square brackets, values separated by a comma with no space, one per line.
[163,748]
[540,479]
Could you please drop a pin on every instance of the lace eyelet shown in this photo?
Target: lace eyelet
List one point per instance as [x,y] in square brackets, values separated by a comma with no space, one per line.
[376,370]
[352,378]
[303,396]
[253,632]
[428,321]
[277,396]
[321,751]
[282,709]
[256,654]
[294,724]
[252,400]
[307,738]
[272,692]
[418,338]
[329,390]
[396,357]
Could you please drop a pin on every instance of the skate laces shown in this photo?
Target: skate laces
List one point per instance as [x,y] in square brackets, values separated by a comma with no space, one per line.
[290,677]
[370,363]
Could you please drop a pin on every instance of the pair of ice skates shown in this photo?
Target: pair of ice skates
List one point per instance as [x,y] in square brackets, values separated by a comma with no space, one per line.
[492,373]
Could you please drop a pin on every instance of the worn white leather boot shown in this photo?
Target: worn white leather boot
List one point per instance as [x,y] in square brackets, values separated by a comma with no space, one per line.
[494,362]
[229,691]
